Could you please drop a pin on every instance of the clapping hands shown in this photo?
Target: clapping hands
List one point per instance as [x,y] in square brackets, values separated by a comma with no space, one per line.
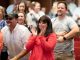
[42,32]
[34,31]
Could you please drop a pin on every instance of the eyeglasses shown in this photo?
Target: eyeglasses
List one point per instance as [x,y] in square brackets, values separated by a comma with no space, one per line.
[9,18]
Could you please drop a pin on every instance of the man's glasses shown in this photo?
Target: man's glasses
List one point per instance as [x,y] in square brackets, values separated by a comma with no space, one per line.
[9,18]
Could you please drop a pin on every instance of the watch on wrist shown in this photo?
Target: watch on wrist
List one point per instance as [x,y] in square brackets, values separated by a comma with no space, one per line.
[64,38]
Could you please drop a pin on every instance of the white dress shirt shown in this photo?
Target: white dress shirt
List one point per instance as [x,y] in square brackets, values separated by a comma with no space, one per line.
[16,39]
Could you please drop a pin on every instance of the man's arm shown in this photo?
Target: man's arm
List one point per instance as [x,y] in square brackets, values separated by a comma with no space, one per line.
[73,31]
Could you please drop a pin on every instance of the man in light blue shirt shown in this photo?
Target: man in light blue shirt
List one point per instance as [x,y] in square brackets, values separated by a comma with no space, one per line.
[11,7]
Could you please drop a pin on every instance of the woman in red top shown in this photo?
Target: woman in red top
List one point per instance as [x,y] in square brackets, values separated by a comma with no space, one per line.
[41,43]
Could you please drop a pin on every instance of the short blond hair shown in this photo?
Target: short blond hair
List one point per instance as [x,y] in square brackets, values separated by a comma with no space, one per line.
[2,9]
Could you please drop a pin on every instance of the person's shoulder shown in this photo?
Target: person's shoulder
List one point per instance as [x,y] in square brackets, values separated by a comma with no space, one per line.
[52,34]
[22,27]
[22,30]
[70,21]
[78,8]
[53,19]
[41,12]
[4,29]
[28,13]
[10,6]
[69,18]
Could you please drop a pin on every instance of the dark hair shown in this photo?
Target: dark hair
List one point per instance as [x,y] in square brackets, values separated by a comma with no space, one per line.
[45,19]
[64,4]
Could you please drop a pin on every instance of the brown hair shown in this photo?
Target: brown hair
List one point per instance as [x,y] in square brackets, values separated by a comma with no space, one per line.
[64,4]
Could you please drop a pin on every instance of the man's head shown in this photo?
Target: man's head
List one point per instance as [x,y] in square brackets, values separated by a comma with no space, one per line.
[62,8]
[11,19]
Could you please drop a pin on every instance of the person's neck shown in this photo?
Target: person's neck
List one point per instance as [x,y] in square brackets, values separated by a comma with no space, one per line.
[12,28]
[36,11]
[61,17]
[21,12]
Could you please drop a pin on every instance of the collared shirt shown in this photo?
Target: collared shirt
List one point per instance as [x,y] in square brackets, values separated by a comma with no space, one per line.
[16,39]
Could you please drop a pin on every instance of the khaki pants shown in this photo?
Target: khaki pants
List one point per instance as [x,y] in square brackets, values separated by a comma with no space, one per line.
[64,56]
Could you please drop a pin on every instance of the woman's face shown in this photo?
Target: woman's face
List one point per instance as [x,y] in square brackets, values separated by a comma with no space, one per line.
[21,18]
[21,7]
[42,25]
[37,7]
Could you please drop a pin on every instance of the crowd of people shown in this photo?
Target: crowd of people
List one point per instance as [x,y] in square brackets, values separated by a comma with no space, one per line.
[28,33]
